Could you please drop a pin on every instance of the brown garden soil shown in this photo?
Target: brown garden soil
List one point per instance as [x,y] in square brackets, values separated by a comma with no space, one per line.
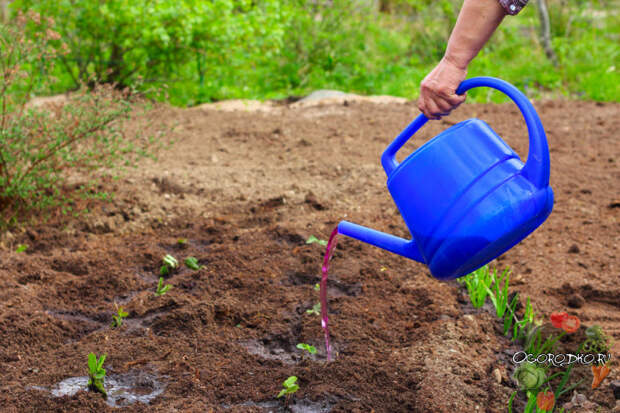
[246,188]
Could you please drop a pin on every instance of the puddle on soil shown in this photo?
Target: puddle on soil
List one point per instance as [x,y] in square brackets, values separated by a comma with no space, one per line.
[123,389]
[271,350]
[277,348]
[296,406]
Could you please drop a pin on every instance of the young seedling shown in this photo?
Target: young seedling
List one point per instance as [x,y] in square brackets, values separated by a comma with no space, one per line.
[478,283]
[117,320]
[290,386]
[182,242]
[21,248]
[96,374]
[161,288]
[316,309]
[192,263]
[310,349]
[312,239]
[169,264]
[499,292]
[317,287]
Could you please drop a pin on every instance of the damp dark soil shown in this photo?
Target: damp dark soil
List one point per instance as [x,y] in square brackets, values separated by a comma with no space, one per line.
[246,188]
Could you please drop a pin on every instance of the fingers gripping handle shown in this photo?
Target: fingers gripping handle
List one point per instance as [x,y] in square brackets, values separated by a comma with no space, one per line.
[536,169]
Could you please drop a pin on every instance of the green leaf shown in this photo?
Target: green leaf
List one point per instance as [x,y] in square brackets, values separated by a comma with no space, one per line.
[310,349]
[101,360]
[282,393]
[21,248]
[170,261]
[92,362]
[290,381]
[312,239]
[164,270]
[192,263]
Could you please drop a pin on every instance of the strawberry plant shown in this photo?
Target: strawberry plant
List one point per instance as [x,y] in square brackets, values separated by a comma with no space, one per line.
[169,264]
[290,386]
[310,349]
[117,320]
[312,239]
[161,288]
[316,309]
[192,263]
[96,374]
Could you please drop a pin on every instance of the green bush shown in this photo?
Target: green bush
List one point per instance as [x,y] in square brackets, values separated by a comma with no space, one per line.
[42,147]
[224,49]
[157,41]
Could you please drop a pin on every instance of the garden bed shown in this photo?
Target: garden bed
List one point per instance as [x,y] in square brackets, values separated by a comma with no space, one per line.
[246,189]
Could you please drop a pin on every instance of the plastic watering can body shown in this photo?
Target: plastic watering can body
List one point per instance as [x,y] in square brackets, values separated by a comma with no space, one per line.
[465,195]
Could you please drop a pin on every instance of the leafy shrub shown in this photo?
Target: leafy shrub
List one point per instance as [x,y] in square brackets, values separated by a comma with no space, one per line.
[123,41]
[225,49]
[41,147]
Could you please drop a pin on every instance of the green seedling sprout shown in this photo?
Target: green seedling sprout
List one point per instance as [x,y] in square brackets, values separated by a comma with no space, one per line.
[316,309]
[310,349]
[290,386]
[169,263]
[317,287]
[96,374]
[161,288]
[478,283]
[192,263]
[117,320]
[21,248]
[312,239]
[182,242]
[499,292]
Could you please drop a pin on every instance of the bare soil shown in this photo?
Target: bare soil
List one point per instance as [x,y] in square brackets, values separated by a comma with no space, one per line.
[246,188]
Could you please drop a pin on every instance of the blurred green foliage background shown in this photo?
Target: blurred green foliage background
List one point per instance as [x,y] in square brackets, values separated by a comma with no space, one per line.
[206,50]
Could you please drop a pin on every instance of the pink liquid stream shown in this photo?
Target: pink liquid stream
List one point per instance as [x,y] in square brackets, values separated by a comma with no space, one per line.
[329,250]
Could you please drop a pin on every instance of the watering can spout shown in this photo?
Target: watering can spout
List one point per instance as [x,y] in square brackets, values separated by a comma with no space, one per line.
[406,248]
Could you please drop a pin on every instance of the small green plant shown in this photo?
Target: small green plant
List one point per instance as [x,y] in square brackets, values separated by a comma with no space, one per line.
[498,293]
[169,264]
[192,263]
[182,242]
[21,248]
[316,309]
[312,239]
[317,287]
[290,386]
[478,283]
[310,349]
[161,288]
[96,374]
[117,320]
[597,341]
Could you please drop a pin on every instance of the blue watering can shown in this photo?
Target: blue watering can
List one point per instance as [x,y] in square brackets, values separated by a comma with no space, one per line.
[465,195]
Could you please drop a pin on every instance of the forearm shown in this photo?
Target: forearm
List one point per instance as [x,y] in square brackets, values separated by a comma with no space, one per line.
[476,23]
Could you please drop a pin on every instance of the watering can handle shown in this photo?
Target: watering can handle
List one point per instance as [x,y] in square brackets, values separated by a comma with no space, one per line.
[536,169]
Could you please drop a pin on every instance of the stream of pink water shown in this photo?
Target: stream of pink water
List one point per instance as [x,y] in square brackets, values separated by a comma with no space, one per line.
[329,250]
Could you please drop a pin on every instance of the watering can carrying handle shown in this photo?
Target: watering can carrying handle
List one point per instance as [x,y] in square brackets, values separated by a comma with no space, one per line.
[536,169]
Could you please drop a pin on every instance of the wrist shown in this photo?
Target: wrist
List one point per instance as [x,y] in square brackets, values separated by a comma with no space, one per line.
[458,62]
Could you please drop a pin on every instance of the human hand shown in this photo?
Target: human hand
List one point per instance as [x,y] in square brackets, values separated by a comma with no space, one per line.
[438,90]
